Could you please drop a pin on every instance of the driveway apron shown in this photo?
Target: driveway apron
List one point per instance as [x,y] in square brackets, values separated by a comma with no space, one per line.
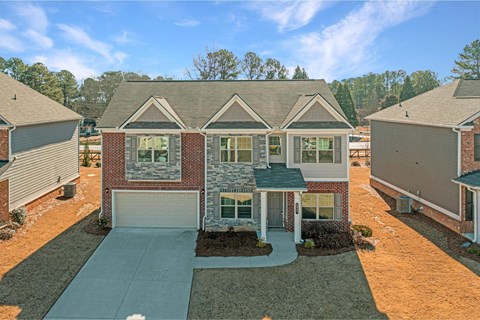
[133,271]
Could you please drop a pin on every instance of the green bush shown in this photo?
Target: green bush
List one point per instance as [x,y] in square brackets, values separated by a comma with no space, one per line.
[355,164]
[364,230]
[309,244]
[103,222]
[261,244]
[98,164]
[19,215]
[474,250]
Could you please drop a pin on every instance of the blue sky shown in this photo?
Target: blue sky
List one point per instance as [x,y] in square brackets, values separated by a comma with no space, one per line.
[331,39]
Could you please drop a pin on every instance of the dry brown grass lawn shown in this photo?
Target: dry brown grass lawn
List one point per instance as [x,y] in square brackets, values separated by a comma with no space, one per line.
[42,258]
[411,273]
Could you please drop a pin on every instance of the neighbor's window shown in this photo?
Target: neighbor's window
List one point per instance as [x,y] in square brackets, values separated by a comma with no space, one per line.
[275,145]
[152,149]
[317,206]
[469,205]
[236,149]
[236,205]
[476,144]
[317,150]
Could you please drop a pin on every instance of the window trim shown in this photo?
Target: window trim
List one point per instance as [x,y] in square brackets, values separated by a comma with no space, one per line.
[317,150]
[317,207]
[236,149]
[469,204]
[279,146]
[476,154]
[236,205]
[167,138]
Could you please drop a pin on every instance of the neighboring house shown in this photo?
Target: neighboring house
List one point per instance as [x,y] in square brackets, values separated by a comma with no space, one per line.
[38,145]
[428,148]
[213,154]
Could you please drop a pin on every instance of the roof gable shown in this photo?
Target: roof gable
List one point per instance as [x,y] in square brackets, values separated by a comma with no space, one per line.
[317,112]
[155,113]
[236,111]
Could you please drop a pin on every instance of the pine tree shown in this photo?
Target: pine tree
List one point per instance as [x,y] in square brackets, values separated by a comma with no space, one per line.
[300,73]
[344,99]
[468,65]
[407,89]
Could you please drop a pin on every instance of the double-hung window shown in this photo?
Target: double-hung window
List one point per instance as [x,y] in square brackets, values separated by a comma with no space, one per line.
[236,149]
[317,150]
[236,205]
[476,147]
[152,149]
[318,206]
[275,145]
[469,205]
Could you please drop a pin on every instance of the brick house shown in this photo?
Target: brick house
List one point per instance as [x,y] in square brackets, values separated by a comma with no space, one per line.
[212,154]
[428,148]
[38,146]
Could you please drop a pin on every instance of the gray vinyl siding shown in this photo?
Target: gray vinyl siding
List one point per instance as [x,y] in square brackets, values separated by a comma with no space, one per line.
[52,163]
[417,158]
[320,170]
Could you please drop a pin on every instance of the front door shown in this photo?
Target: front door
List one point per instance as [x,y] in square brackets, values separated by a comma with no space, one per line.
[275,209]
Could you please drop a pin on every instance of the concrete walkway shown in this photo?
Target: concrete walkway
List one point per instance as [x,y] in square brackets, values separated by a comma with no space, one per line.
[133,271]
[284,252]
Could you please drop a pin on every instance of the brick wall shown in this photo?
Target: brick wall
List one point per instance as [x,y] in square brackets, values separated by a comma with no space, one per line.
[4,144]
[113,169]
[321,187]
[468,160]
[4,201]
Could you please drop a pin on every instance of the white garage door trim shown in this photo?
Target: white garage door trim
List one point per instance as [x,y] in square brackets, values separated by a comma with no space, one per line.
[114,192]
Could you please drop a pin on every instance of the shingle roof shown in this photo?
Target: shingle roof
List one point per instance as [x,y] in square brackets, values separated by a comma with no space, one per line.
[151,125]
[468,88]
[470,179]
[236,125]
[436,107]
[21,105]
[319,125]
[279,177]
[196,102]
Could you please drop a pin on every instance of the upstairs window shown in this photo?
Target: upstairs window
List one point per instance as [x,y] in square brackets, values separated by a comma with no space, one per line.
[275,145]
[476,143]
[317,150]
[152,149]
[236,149]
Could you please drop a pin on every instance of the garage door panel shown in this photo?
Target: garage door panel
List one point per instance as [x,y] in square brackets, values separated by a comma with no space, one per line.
[156,209]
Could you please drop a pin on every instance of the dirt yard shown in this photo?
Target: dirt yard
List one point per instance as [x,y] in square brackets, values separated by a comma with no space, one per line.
[42,258]
[412,272]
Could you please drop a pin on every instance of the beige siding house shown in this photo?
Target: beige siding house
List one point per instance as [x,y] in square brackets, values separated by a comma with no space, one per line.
[38,145]
[428,148]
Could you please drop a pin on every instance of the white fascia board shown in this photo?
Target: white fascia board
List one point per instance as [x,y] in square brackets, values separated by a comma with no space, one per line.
[324,103]
[465,185]
[319,131]
[236,98]
[141,131]
[234,131]
[417,123]
[470,119]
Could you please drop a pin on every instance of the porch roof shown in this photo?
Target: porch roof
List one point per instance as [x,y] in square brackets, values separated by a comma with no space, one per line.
[279,178]
[471,179]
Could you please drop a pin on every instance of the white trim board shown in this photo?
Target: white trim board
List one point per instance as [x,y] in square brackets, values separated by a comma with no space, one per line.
[416,198]
[114,191]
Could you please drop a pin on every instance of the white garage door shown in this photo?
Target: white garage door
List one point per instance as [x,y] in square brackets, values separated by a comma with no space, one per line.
[156,209]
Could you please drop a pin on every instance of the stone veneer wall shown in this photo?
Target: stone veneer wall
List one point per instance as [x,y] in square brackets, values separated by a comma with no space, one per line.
[153,171]
[231,177]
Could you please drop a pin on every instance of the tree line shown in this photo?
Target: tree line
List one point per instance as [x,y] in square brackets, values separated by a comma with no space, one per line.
[364,94]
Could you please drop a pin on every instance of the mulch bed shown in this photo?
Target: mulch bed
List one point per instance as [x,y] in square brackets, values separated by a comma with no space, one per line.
[230,244]
[93,228]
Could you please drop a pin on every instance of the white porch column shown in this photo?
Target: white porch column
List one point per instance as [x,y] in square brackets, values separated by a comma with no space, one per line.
[263,215]
[297,209]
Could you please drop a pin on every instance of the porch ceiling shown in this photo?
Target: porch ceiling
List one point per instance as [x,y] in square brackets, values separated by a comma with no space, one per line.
[279,178]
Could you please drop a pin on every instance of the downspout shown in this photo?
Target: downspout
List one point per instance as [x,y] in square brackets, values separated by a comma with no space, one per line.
[475,215]
[101,177]
[10,142]
[204,180]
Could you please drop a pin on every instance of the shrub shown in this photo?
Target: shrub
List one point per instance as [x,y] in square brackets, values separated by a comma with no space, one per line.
[367,163]
[6,233]
[355,164]
[327,237]
[19,215]
[309,243]
[474,250]
[103,222]
[98,164]
[86,161]
[364,230]
[261,243]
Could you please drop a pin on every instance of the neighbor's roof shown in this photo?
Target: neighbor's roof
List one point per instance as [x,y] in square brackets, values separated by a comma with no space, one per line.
[196,102]
[279,177]
[449,105]
[470,179]
[21,105]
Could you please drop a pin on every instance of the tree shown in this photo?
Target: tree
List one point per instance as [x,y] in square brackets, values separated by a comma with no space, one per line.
[273,69]
[38,77]
[468,64]
[3,65]
[388,100]
[252,66]
[300,73]
[227,65]
[68,86]
[344,99]
[217,65]
[136,76]
[109,82]
[334,86]
[424,80]
[15,68]
[407,89]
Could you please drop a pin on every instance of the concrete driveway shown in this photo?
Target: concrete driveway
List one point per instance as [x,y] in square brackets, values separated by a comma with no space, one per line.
[133,271]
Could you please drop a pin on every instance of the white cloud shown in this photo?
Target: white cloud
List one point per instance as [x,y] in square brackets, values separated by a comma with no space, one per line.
[348,46]
[37,21]
[40,39]
[79,36]
[124,38]
[8,41]
[187,23]
[64,59]
[6,25]
[289,15]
